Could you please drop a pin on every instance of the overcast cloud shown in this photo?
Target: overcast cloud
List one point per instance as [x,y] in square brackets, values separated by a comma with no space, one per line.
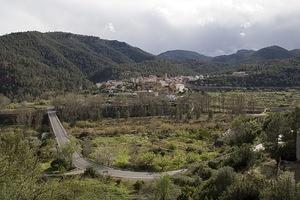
[210,27]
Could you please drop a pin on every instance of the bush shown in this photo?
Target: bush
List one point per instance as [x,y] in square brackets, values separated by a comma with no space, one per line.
[122,159]
[183,180]
[90,172]
[243,131]
[165,189]
[218,142]
[213,164]
[282,188]
[85,124]
[242,189]
[138,185]
[241,158]
[4,100]
[162,163]
[145,161]
[183,196]
[202,171]
[216,185]
[59,164]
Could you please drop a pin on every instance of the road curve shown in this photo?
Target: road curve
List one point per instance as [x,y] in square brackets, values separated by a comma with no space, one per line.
[82,163]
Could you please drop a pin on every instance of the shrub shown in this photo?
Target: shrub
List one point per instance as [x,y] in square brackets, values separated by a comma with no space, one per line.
[216,185]
[241,158]
[138,185]
[90,172]
[145,161]
[162,162]
[202,171]
[85,124]
[242,189]
[59,164]
[282,188]
[242,131]
[4,100]
[213,164]
[122,159]
[183,180]
[218,142]
[164,188]
[183,196]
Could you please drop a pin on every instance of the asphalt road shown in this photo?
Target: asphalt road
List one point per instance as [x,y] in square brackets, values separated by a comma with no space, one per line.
[82,163]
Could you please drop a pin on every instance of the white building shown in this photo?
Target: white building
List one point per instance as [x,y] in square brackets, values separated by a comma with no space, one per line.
[180,87]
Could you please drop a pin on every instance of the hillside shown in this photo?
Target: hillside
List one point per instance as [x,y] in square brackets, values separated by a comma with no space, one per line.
[34,62]
[240,57]
[273,73]
[182,55]
[295,52]
[273,52]
[250,56]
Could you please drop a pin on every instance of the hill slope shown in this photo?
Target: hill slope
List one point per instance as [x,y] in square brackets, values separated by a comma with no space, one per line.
[34,62]
[250,56]
[239,56]
[273,52]
[182,55]
[295,52]
[272,73]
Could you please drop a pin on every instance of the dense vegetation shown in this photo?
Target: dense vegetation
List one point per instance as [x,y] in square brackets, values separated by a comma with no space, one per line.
[78,107]
[221,167]
[33,62]
[250,56]
[182,55]
[284,73]
[21,174]
[211,134]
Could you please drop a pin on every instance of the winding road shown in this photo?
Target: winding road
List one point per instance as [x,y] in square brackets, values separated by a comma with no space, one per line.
[81,163]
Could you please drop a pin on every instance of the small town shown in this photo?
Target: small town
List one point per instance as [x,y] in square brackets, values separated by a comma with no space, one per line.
[157,84]
[150,84]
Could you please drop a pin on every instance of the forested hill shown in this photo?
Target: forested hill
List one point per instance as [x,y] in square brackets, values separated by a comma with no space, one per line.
[182,55]
[34,62]
[251,56]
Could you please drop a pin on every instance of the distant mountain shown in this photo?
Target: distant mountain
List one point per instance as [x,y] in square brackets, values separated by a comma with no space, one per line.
[182,55]
[34,62]
[240,55]
[249,56]
[272,52]
[295,52]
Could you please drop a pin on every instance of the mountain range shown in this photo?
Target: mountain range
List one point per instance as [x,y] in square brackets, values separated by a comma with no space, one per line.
[241,56]
[181,55]
[33,63]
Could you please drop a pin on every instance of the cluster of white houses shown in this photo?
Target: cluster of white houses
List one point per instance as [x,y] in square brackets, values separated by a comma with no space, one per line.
[149,83]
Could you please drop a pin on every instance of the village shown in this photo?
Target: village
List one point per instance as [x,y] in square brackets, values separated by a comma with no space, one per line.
[150,84]
[156,84]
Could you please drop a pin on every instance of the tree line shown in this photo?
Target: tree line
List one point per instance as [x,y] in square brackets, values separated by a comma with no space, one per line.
[76,107]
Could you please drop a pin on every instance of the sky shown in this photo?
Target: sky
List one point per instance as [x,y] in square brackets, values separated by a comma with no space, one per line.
[210,27]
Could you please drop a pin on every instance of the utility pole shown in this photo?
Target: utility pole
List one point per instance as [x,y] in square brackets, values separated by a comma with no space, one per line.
[298,146]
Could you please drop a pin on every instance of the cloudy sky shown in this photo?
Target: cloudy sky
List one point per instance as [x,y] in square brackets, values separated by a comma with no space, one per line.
[210,27]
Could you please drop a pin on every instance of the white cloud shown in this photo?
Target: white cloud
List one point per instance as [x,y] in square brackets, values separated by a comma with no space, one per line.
[242,34]
[246,25]
[110,27]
